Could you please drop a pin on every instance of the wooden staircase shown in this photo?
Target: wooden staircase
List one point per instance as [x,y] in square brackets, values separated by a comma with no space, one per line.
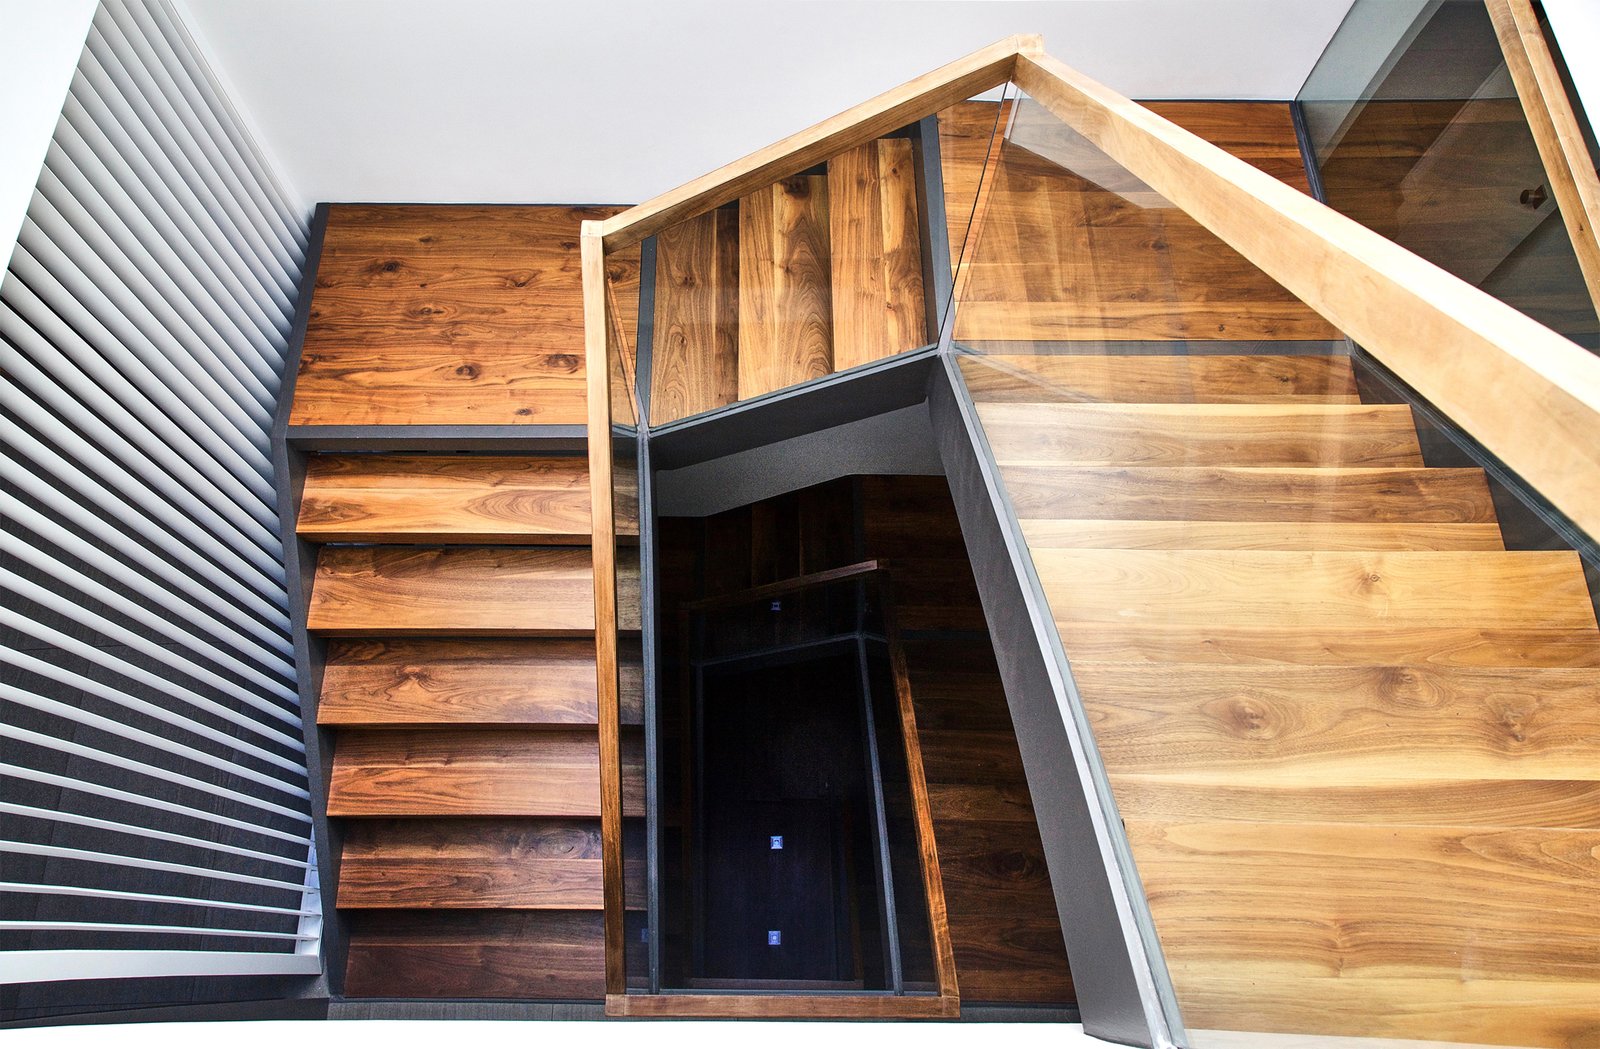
[1349,733]
[457,596]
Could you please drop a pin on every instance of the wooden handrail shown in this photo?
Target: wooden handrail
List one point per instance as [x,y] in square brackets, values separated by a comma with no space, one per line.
[1529,395]
[1556,133]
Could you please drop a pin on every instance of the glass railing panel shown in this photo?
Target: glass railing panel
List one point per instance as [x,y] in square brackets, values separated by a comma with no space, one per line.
[1340,666]
[815,274]
[1419,134]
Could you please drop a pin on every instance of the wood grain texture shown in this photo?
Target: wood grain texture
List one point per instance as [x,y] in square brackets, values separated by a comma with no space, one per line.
[445,499]
[695,347]
[1359,435]
[446,314]
[471,864]
[970,136]
[1257,535]
[878,306]
[785,282]
[1328,591]
[463,682]
[476,772]
[1343,496]
[476,954]
[1155,379]
[392,590]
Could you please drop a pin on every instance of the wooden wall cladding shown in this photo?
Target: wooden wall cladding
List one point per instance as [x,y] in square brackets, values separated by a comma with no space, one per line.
[811,275]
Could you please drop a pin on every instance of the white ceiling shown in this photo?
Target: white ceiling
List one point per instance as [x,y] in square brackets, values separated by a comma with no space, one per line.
[616,100]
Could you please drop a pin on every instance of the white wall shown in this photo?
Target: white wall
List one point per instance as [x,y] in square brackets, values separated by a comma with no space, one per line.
[616,100]
[40,41]
[1576,24]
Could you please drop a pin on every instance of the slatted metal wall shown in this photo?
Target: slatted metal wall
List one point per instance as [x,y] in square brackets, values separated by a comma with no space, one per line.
[154,815]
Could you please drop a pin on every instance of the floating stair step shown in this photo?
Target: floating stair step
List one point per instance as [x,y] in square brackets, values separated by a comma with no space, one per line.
[464,682]
[475,772]
[1258,535]
[471,863]
[1324,592]
[476,954]
[1378,644]
[1339,435]
[502,590]
[1322,726]
[445,499]
[1010,958]
[1299,494]
[1161,379]
[971,757]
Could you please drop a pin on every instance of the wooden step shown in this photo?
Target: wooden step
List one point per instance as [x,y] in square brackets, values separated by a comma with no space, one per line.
[1320,592]
[1378,645]
[1307,727]
[445,499]
[1342,496]
[476,954]
[475,772]
[785,280]
[1161,379]
[1335,435]
[878,308]
[466,682]
[504,590]
[471,863]
[1258,535]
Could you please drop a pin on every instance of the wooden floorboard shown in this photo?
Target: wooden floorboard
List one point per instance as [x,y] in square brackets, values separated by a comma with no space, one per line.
[1258,535]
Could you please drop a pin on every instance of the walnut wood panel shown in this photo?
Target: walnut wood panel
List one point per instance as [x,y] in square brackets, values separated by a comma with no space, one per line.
[448,681]
[878,307]
[1329,590]
[474,772]
[1353,724]
[695,346]
[1156,379]
[471,863]
[785,299]
[1257,535]
[1202,434]
[445,315]
[1344,496]
[1073,248]
[445,499]
[392,590]
[475,954]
